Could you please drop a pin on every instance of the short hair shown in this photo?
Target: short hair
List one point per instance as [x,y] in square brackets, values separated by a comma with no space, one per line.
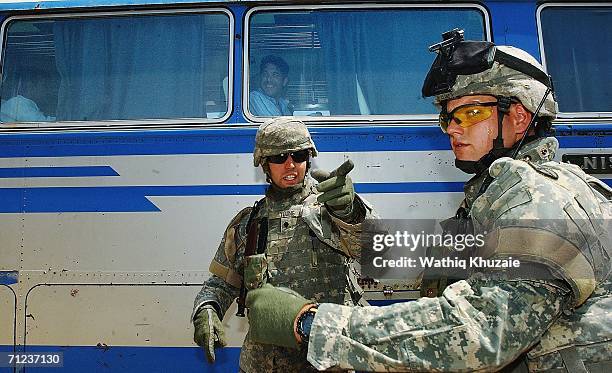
[543,127]
[276,61]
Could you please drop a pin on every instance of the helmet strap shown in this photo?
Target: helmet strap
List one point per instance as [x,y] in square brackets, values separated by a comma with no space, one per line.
[306,172]
[534,118]
[503,108]
[476,167]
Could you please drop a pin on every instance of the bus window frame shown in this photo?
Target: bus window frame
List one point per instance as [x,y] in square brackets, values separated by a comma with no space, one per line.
[126,124]
[411,119]
[588,116]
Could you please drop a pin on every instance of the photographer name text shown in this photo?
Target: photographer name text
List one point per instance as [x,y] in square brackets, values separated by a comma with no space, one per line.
[431,262]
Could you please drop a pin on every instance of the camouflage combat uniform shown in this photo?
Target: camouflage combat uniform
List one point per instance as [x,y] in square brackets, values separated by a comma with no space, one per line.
[553,313]
[308,250]
[487,321]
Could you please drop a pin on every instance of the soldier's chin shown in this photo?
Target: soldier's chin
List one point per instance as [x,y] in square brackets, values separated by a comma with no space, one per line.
[467,159]
[465,155]
[289,183]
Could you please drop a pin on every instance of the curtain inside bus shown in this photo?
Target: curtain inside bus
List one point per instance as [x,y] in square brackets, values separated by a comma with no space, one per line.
[385,53]
[134,67]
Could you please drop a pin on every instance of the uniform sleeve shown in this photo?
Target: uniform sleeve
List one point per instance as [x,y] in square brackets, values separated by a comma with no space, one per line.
[349,233]
[216,292]
[223,286]
[475,325]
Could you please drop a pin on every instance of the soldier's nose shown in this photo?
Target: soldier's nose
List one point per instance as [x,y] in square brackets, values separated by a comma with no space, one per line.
[454,128]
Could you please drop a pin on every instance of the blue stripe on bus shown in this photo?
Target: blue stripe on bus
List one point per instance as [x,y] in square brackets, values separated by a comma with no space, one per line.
[76,171]
[241,140]
[74,199]
[134,198]
[410,187]
[9,277]
[213,141]
[135,359]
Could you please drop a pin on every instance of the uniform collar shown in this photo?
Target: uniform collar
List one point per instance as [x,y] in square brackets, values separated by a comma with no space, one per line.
[540,150]
[537,151]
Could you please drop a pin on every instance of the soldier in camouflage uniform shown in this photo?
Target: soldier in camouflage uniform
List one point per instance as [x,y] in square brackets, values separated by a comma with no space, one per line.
[553,314]
[310,247]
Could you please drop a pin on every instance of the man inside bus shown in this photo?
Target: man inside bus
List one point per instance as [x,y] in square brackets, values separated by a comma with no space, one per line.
[305,235]
[268,100]
[549,314]
[22,106]
[21,109]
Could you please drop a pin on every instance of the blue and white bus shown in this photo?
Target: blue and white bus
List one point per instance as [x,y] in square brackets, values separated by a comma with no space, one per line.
[126,139]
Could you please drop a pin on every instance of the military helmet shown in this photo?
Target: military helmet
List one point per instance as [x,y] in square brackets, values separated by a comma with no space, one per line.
[505,81]
[281,135]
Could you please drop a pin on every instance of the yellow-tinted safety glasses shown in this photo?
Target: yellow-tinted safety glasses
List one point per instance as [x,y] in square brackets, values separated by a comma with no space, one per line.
[467,115]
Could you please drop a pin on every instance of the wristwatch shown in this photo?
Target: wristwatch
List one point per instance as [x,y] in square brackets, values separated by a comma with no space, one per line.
[304,323]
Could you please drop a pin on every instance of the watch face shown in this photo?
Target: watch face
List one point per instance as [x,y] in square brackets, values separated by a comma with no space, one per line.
[305,324]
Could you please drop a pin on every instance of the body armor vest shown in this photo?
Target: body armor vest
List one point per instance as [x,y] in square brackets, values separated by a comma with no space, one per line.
[297,259]
[580,340]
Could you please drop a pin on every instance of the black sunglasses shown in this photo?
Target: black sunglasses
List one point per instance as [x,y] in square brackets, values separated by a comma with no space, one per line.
[298,157]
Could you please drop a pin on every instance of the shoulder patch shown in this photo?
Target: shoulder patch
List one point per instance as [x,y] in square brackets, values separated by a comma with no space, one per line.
[240,215]
[231,238]
[509,189]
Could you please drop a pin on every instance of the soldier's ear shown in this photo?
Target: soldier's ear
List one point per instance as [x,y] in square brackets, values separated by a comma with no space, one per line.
[520,118]
[266,169]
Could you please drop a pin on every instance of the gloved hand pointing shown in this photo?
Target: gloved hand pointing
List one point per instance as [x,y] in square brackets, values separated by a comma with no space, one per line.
[337,189]
[208,332]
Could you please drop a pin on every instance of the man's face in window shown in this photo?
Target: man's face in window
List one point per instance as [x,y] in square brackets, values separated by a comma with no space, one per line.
[273,81]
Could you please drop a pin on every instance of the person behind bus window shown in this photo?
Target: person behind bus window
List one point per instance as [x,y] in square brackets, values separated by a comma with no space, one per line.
[268,100]
[21,109]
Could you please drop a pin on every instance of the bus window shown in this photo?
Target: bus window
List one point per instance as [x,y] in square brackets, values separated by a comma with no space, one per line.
[120,67]
[337,62]
[576,50]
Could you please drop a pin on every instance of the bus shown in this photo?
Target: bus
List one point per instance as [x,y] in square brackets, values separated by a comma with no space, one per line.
[127,131]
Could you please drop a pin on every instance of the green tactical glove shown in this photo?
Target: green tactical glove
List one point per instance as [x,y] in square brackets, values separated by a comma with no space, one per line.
[208,331]
[272,312]
[337,189]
